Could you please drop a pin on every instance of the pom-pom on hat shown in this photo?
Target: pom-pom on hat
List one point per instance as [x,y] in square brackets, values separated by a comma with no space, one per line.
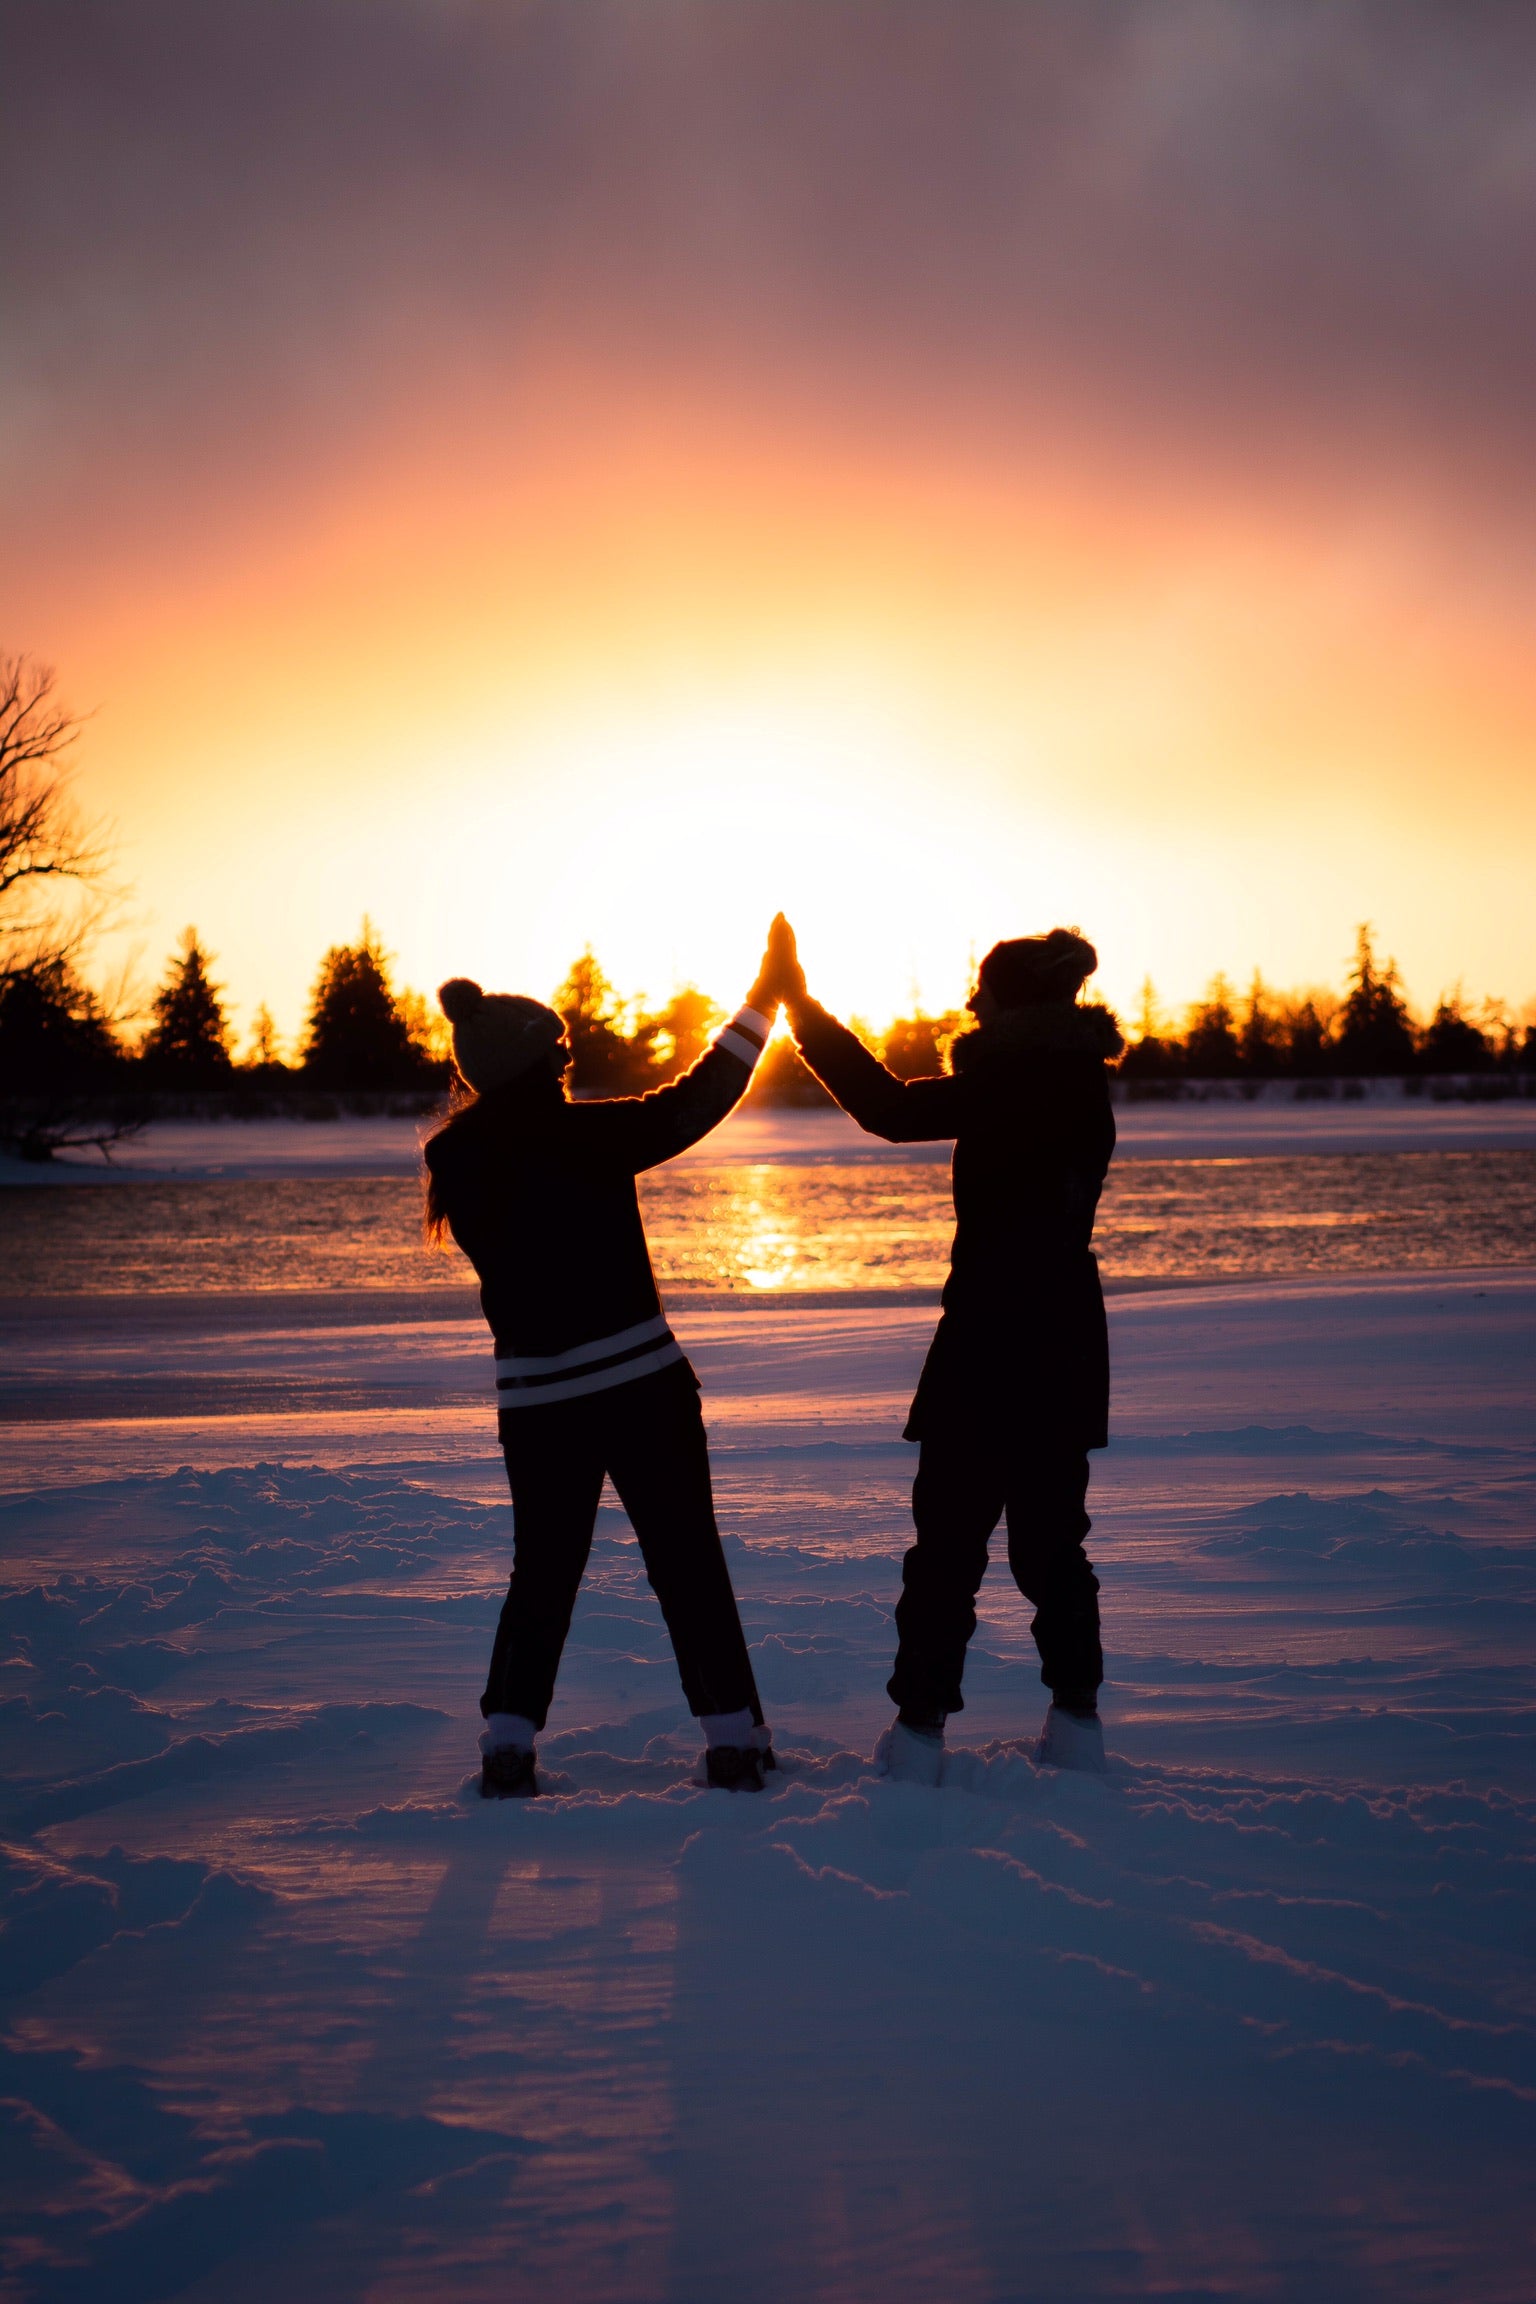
[1027,969]
[496,1035]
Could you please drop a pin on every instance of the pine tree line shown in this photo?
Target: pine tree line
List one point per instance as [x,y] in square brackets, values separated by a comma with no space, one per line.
[363,1035]
[73,1072]
[61,1039]
[359,1034]
[1368,1032]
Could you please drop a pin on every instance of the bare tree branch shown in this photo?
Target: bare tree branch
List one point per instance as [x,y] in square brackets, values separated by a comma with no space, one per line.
[36,1128]
[45,844]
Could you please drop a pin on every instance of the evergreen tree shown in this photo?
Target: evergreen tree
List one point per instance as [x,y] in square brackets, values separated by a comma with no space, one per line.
[665,1043]
[1375,1030]
[1261,1039]
[604,1062]
[430,1032]
[1304,1029]
[53,1034]
[188,1042]
[266,1050]
[1500,1031]
[915,1047]
[356,1036]
[1153,1054]
[1452,1042]
[1210,1041]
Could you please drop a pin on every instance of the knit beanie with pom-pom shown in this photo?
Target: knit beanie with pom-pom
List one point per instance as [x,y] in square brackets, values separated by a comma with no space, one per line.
[496,1035]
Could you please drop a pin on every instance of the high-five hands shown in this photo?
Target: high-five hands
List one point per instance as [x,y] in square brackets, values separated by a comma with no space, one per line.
[781,944]
[781,976]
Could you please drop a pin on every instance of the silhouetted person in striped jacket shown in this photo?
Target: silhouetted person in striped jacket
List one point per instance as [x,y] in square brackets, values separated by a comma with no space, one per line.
[539,1192]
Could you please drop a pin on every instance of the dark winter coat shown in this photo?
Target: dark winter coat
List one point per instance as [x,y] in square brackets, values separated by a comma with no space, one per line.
[1022,1344]
[540,1194]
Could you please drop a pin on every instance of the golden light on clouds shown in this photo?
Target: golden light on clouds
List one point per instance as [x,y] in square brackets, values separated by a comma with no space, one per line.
[550,474]
[591,678]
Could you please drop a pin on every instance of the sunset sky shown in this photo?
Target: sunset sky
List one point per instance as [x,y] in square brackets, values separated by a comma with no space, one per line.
[559,472]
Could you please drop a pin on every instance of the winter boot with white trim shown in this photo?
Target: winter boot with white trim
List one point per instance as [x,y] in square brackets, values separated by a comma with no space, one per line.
[507,1774]
[1071,1739]
[906,1754]
[733,1751]
[733,1768]
[506,1757]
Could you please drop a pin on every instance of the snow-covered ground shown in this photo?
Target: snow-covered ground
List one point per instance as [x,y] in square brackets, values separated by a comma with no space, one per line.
[1219,1129]
[288,2012]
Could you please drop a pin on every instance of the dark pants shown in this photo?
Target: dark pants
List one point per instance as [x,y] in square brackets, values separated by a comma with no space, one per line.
[648,1437]
[963,1487]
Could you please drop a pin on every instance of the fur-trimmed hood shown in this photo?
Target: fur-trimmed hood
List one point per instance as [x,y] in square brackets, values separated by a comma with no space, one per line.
[1050,1028]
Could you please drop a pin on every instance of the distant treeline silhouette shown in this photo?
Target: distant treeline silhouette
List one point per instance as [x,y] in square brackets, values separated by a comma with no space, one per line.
[360,1034]
[1366,1032]
[363,1036]
[74,1070]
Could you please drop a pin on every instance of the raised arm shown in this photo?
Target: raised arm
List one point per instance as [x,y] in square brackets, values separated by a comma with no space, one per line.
[642,1131]
[902,1111]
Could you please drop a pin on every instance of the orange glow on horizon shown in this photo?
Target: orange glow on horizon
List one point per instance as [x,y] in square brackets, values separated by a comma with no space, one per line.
[613,668]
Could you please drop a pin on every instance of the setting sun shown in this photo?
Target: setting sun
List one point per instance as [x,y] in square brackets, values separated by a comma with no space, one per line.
[917,695]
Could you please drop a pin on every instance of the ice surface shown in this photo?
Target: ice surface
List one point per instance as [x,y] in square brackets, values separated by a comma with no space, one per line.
[1254,2016]
[1225,1127]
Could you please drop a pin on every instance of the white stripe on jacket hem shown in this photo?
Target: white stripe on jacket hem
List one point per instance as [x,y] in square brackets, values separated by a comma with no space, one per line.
[599,1380]
[600,1348]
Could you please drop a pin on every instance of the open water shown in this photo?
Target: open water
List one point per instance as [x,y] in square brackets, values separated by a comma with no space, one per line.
[758,1226]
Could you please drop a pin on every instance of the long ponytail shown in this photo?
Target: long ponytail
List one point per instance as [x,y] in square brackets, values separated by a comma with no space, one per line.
[462,1101]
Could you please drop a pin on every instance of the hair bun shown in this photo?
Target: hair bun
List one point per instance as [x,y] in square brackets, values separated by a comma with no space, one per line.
[1068,951]
[459,998]
[1025,970]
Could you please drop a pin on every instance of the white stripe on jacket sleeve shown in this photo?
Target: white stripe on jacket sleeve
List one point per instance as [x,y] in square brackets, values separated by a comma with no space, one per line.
[745,1037]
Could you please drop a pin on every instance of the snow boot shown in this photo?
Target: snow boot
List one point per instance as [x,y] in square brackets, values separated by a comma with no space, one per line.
[507,1774]
[733,1768]
[910,1755]
[1071,1740]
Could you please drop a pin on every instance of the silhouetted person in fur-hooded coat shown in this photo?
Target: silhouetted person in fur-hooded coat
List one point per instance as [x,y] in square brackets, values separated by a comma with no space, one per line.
[1015,1390]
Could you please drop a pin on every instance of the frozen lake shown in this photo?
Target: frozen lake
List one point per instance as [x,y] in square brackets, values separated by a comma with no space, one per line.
[1254,2018]
[801,1201]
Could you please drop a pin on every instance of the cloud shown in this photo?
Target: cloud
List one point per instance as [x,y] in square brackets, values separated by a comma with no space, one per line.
[1259,226]
[1126,400]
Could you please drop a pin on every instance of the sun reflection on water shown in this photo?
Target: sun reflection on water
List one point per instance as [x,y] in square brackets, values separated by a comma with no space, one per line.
[766,1229]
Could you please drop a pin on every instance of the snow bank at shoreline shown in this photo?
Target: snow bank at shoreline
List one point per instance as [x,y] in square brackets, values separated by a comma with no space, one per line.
[1221,1128]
